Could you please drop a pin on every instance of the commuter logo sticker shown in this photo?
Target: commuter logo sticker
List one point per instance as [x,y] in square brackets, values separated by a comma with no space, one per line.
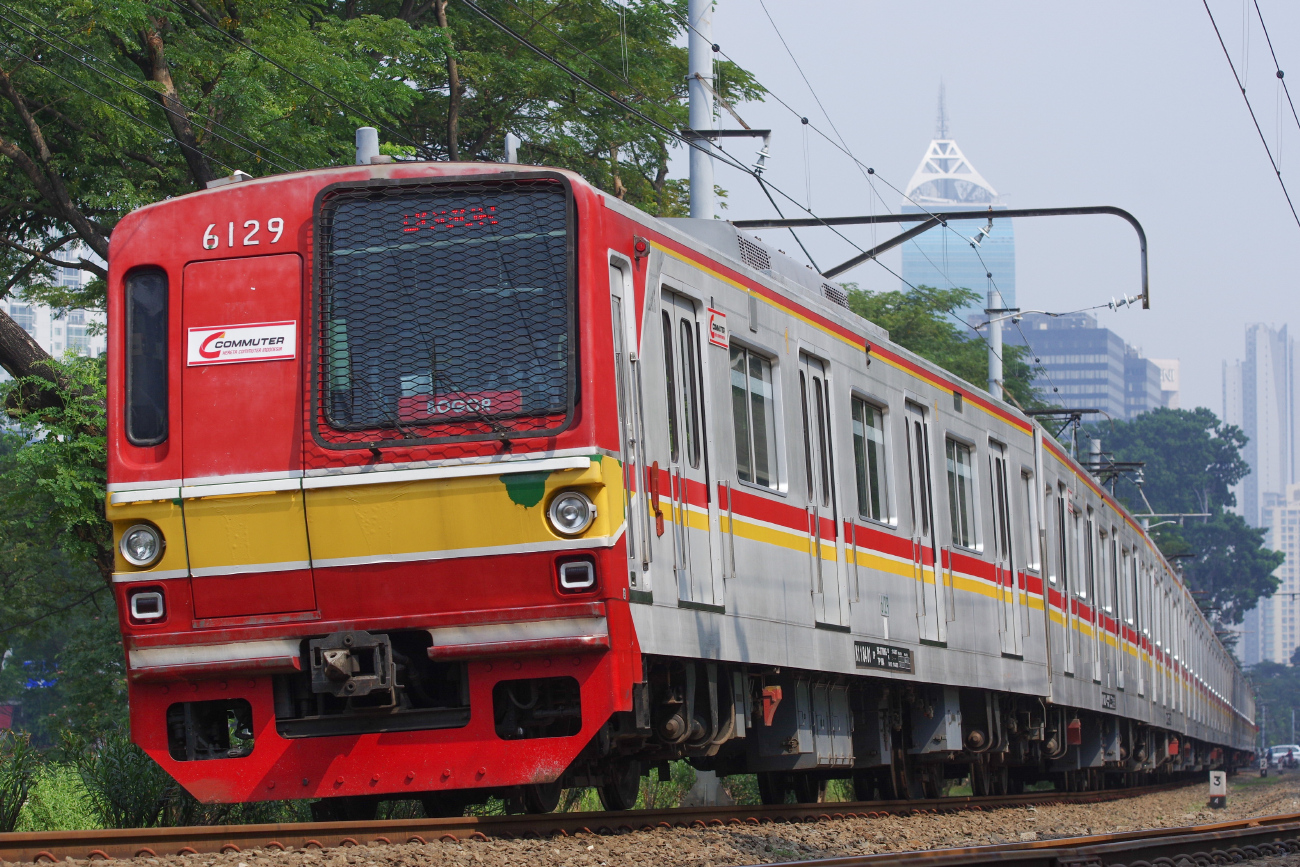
[228,344]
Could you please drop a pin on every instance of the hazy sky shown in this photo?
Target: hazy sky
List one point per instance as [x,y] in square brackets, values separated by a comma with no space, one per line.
[1101,103]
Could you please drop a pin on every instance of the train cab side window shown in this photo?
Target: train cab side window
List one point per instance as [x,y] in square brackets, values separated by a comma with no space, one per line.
[869,460]
[146,357]
[753,415]
[961,494]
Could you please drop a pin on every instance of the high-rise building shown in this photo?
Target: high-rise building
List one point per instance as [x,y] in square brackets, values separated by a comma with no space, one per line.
[1079,365]
[1259,394]
[58,331]
[1272,629]
[943,257]
[1169,381]
[1259,397]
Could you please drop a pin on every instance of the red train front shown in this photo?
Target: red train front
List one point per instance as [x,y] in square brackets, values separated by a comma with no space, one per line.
[367,510]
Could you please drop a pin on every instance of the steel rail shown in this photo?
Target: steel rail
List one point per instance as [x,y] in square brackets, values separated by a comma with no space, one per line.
[1218,843]
[52,846]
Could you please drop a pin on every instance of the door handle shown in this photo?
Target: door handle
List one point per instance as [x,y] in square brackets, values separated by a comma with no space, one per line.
[654,499]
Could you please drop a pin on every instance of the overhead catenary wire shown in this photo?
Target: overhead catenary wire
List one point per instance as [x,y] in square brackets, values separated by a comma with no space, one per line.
[1255,120]
[717,151]
[1277,68]
[726,158]
[118,78]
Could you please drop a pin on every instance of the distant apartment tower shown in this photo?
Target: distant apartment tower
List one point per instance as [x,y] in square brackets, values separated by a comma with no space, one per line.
[1271,630]
[1079,365]
[1170,375]
[942,257]
[57,332]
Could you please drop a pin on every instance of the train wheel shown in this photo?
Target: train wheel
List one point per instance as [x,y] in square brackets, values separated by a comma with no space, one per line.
[444,805]
[622,784]
[542,797]
[771,787]
[346,809]
[808,789]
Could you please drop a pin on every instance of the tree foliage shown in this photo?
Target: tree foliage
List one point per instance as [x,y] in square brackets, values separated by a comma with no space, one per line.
[1277,689]
[923,320]
[1192,460]
[105,107]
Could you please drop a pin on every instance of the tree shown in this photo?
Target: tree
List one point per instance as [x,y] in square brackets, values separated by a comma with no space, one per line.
[923,321]
[1277,697]
[108,106]
[1192,460]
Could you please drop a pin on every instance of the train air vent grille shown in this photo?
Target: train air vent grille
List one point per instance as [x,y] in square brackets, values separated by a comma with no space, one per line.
[753,255]
[836,295]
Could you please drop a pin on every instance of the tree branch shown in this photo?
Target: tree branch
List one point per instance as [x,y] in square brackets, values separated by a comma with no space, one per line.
[48,182]
[177,116]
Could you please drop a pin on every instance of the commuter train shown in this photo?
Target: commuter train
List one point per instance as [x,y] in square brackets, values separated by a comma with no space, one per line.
[447,481]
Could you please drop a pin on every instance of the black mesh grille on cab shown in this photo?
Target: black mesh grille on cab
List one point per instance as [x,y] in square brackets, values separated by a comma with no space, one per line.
[444,312]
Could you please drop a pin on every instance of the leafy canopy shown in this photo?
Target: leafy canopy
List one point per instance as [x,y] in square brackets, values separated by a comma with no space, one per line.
[923,320]
[1192,461]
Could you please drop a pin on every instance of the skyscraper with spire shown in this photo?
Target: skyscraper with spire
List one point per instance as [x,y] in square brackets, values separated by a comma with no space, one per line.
[945,180]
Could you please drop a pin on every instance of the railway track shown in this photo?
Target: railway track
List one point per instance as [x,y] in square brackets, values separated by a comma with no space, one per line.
[1199,845]
[39,846]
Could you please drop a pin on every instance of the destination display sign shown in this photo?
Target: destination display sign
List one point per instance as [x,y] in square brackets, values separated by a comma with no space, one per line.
[867,654]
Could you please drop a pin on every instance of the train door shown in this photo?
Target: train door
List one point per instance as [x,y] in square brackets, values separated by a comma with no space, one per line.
[1004,570]
[819,464]
[688,455]
[930,618]
[636,512]
[1068,530]
[1096,580]
[241,438]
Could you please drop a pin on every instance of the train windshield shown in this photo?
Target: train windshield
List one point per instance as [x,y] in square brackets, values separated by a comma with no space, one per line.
[445,311]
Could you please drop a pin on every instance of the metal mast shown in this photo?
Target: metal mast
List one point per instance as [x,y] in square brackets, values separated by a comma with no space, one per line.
[700,84]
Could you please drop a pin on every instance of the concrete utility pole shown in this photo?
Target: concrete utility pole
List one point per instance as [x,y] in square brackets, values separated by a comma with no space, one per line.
[995,341]
[700,66]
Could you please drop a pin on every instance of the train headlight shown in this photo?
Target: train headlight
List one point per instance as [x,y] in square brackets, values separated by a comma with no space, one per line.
[141,545]
[571,513]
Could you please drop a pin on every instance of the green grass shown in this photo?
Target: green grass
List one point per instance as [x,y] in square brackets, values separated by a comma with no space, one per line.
[1249,779]
[58,802]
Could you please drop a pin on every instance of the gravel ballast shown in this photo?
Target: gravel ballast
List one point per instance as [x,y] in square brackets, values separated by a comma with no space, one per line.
[712,847]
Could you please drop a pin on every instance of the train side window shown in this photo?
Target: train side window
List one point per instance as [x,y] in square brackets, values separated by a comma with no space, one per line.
[670,381]
[1053,533]
[961,494]
[690,395]
[1088,586]
[1029,492]
[1104,599]
[146,357]
[869,460]
[753,415]
[1115,600]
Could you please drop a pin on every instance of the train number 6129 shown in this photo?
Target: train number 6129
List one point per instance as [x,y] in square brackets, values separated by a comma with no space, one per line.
[211,240]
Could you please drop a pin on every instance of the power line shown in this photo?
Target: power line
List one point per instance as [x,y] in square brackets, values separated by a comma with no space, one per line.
[1251,109]
[1278,69]
[715,150]
[130,85]
[289,72]
[10,49]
